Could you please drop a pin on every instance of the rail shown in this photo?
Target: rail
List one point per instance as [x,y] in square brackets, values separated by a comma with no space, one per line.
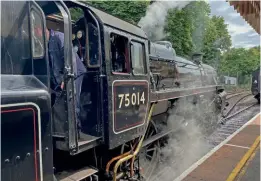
[236,113]
[239,100]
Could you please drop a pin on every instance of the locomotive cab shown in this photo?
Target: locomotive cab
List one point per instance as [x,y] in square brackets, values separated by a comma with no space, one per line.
[82,38]
[114,92]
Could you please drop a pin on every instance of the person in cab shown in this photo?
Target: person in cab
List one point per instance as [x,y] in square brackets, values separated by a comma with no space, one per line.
[56,61]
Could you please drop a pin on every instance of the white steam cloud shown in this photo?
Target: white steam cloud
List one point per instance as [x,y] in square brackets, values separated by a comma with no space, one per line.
[188,143]
[154,21]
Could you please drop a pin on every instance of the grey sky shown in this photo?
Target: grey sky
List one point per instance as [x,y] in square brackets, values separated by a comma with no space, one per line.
[242,34]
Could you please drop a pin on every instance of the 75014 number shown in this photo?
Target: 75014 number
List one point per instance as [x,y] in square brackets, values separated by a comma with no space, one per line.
[131,99]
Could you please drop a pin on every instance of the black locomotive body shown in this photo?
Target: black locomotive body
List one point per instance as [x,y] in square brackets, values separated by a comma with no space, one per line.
[117,97]
[255,88]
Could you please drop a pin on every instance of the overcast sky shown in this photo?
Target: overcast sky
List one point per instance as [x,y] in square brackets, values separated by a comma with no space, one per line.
[242,34]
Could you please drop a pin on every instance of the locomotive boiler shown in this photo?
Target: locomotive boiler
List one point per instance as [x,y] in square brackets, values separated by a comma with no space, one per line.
[129,86]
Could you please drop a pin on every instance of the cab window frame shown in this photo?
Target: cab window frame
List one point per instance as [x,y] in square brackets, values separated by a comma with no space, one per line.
[31,34]
[40,64]
[144,58]
[87,46]
[128,59]
[25,67]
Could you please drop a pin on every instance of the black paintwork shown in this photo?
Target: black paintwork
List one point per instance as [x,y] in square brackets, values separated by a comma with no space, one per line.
[17,124]
[111,139]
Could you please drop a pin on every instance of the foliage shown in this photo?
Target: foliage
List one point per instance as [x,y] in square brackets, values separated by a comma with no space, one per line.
[186,27]
[179,28]
[223,38]
[216,40]
[191,29]
[199,12]
[76,13]
[240,61]
[130,11]
[210,53]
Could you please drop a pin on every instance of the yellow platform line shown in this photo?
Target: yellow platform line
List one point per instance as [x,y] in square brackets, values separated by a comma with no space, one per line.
[243,170]
[243,161]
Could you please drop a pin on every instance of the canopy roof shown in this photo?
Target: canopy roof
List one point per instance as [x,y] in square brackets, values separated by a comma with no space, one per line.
[250,11]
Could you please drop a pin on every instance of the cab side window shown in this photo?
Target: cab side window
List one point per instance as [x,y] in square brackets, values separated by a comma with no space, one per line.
[119,54]
[93,37]
[138,58]
[38,45]
[37,34]
[15,39]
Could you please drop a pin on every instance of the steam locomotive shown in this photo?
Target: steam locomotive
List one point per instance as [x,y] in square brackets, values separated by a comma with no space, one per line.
[255,88]
[121,101]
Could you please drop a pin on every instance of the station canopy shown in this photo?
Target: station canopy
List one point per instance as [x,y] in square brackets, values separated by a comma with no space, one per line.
[250,11]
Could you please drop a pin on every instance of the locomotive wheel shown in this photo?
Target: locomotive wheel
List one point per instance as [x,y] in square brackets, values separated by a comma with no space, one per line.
[148,156]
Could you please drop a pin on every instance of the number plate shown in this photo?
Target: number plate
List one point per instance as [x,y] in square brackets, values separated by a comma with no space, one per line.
[130,103]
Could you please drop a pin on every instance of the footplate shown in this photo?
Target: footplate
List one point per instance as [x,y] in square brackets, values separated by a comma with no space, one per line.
[82,174]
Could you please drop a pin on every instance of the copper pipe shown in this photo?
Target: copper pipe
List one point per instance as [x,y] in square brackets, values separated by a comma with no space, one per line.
[115,158]
[119,162]
[132,167]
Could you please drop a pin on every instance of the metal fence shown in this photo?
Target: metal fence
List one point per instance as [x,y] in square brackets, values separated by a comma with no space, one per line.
[235,83]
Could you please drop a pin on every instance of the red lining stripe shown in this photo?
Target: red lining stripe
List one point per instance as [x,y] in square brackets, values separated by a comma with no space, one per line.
[35,150]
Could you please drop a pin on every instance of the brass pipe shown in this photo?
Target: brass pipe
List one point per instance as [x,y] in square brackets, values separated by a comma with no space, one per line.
[132,166]
[119,162]
[117,158]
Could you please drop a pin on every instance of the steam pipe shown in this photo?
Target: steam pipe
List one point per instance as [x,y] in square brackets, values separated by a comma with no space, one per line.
[132,166]
[136,150]
[117,158]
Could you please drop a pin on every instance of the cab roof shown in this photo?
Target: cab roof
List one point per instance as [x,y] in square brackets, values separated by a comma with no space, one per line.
[110,20]
[105,18]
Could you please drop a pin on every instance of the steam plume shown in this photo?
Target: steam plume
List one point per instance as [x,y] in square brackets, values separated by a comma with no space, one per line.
[154,21]
[187,144]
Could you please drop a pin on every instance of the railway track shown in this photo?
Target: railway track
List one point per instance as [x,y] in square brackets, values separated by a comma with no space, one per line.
[229,124]
[232,95]
[235,103]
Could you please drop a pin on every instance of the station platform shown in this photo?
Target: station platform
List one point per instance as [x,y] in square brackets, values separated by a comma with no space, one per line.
[236,158]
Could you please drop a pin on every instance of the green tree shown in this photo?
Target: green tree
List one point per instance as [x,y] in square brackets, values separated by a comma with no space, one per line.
[178,29]
[76,13]
[240,61]
[216,39]
[190,29]
[130,11]
[210,36]
[223,35]
[199,12]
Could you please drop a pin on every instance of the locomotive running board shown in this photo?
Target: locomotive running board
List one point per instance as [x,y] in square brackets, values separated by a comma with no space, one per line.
[168,94]
[157,136]
[162,134]
[81,174]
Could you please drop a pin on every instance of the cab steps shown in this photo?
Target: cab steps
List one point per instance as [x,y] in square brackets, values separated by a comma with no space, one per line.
[86,142]
[84,174]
